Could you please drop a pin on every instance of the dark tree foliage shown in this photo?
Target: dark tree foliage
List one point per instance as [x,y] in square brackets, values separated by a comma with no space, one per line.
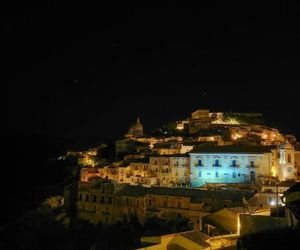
[38,229]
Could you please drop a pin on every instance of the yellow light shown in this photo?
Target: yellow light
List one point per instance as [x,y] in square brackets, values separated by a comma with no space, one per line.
[238,225]
[274,172]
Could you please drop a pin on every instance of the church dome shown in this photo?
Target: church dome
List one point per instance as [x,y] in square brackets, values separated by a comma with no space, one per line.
[136,129]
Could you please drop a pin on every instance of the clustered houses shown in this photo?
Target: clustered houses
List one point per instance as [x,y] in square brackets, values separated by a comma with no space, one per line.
[202,165]
[161,176]
[156,170]
[107,202]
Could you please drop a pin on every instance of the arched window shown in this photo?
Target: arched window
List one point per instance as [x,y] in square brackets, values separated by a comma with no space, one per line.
[200,162]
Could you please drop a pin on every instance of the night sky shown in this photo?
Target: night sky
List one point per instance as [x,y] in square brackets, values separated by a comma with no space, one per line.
[85,69]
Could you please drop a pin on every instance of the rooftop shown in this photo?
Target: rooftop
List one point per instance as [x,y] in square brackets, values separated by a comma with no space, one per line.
[196,237]
[233,149]
[196,195]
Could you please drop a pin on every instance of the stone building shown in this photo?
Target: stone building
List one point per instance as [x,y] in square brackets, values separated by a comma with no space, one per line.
[199,120]
[107,202]
[136,129]
[241,164]
[170,170]
[231,164]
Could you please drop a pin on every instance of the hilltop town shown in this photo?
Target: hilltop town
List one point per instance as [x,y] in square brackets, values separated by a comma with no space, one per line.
[227,173]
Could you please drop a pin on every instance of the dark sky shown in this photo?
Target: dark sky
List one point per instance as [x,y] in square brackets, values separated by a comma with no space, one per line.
[81,68]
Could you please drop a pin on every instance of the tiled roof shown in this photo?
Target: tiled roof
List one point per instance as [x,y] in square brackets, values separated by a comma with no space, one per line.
[233,149]
[196,195]
[197,237]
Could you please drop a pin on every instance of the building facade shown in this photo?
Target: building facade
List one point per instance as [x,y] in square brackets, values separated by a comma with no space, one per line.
[107,202]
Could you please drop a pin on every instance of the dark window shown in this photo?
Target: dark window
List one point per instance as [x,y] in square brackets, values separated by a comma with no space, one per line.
[200,162]
[200,174]
[234,163]
[252,176]
[179,204]
[150,202]
[217,174]
[252,164]
[109,199]
[233,174]
[137,203]
[87,197]
[94,198]
[102,199]
[127,201]
[217,163]
[80,197]
[289,158]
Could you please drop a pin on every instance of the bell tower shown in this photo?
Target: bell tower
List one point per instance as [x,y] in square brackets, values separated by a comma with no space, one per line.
[287,170]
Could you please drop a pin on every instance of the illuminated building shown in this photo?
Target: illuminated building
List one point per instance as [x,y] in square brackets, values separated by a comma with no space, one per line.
[199,120]
[231,164]
[287,169]
[170,170]
[171,148]
[107,202]
[184,240]
[136,129]
[241,164]
[271,193]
